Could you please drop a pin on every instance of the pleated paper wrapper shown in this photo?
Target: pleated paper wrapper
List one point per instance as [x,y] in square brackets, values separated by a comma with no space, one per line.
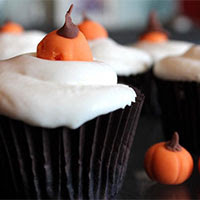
[180,104]
[146,84]
[86,163]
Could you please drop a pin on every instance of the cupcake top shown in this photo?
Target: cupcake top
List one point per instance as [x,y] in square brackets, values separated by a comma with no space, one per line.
[180,68]
[124,60]
[15,41]
[164,49]
[52,89]
[155,41]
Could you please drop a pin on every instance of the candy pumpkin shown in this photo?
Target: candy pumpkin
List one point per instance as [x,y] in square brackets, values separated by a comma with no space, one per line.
[67,43]
[168,162]
[154,32]
[154,36]
[11,27]
[92,30]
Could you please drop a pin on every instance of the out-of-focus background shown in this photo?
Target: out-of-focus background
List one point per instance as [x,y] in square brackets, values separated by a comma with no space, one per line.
[124,17]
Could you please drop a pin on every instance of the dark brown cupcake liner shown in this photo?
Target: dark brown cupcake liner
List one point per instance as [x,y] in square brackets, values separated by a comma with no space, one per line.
[146,84]
[180,104]
[85,163]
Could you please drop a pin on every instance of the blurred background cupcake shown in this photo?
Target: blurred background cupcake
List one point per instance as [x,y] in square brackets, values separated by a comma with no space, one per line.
[133,66]
[177,79]
[155,40]
[14,40]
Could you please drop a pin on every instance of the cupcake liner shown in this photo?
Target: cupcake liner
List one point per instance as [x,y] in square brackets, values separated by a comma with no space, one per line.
[85,163]
[125,149]
[6,186]
[180,104]
[146,84]
[128,149]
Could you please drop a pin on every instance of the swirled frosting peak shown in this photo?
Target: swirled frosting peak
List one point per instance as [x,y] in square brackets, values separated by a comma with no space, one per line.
[59,93]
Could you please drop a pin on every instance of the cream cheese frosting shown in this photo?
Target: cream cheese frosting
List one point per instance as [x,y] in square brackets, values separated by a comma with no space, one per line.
[163,49]
[15,44]
[51,94]
[124,60]
[180,68]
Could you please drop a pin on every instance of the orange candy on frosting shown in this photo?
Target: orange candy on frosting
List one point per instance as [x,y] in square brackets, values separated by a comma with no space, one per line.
[55,47]
[154,36]
[67,43]
[92,30]
[154,32]
[11,27]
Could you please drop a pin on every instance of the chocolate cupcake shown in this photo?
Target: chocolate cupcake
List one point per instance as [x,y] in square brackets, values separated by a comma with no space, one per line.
[155,41]
[133,66]
[178,85]
[66,126]
[14,40]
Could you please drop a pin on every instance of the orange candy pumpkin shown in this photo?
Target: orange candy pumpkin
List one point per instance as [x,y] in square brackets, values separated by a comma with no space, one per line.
[55,47]
[154,37]
[154,32]
[92,30]
[168,162]
[67,43]
[11,27]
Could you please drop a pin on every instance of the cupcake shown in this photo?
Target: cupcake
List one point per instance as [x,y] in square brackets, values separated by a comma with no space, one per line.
[66,126]
[133,66]
[155,41]
[178,82]
[14,40]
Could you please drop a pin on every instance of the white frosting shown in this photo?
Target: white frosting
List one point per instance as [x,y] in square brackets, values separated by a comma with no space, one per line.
[164,49]
[16,44]
[59,93]
[181,68]
[124,60]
